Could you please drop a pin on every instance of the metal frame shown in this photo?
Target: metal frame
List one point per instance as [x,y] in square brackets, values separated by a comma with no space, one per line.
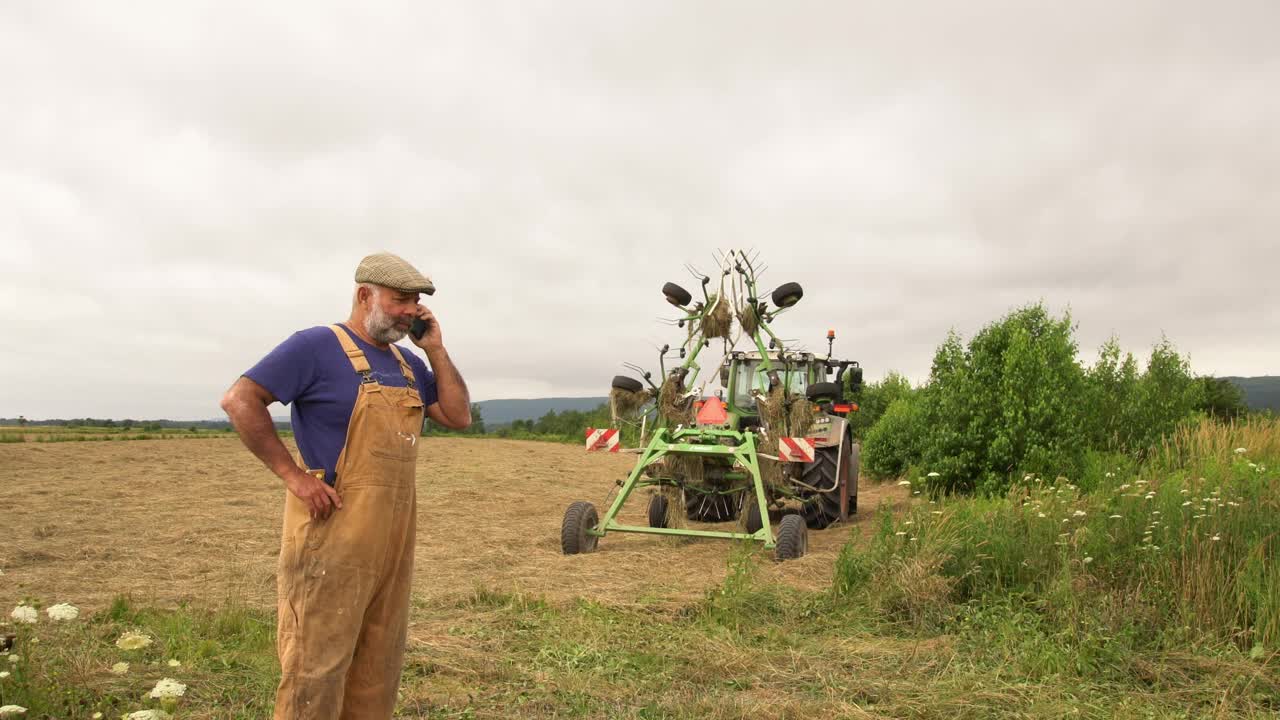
[744,453]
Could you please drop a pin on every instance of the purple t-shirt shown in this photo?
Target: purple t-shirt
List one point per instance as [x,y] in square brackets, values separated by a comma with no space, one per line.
[311,372]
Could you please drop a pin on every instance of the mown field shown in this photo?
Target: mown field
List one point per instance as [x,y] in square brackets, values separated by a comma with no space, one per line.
[1047,603]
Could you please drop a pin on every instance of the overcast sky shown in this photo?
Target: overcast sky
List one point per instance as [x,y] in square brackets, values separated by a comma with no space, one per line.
[184,184]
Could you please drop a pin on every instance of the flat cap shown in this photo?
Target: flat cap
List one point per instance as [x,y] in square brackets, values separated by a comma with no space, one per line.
[394,272]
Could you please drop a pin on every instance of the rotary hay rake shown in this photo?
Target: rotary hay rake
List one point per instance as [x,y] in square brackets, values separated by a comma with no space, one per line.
[773,444]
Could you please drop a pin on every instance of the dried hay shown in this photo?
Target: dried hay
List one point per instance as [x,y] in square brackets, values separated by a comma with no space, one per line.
[627,403]
[675,505]
[772,411]
[748,319]
[718,321]
[673,406]
[801,416]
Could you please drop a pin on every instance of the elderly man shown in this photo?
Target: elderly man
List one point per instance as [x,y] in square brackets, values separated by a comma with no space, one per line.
[346,555]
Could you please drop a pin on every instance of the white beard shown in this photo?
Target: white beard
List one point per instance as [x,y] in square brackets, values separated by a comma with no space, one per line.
[382,327]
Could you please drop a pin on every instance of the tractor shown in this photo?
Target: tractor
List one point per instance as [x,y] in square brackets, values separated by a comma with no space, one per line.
[773,443]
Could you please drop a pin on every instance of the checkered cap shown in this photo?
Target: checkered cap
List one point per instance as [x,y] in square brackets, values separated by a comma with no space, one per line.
[394,272]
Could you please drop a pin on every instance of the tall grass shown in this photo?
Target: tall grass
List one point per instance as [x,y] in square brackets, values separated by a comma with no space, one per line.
[1181,547]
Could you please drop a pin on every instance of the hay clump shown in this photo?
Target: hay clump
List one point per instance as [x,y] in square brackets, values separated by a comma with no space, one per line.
[673,406]
[627,403]
[800,417]
[773,413]
[718,321]
[748,319]
[675,505]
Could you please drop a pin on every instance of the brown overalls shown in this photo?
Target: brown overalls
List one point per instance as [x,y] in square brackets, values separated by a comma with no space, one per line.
[344,582]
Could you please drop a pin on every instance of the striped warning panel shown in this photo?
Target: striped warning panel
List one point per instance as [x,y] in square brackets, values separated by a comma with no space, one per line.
[605,439]
[796,449]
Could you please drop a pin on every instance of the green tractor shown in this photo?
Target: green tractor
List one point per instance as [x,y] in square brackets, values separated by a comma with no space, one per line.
[773,443]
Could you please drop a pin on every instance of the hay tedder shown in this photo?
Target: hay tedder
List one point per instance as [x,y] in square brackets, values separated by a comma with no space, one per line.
[772,444]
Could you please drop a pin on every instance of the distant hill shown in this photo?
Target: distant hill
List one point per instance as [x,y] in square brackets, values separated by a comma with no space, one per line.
[1260,393]
[504,412]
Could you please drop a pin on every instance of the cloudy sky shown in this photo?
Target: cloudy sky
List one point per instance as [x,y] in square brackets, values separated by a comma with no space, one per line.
[183,184]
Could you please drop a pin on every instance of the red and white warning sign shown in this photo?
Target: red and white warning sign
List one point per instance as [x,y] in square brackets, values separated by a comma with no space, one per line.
[795,449]
[605,439]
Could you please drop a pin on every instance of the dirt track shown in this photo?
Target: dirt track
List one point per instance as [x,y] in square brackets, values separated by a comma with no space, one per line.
[198,520]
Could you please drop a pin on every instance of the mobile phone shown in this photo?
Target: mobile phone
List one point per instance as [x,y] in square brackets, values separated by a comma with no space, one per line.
[418,328]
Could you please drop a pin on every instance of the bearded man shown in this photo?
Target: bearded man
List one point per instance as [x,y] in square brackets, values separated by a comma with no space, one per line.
[346,552]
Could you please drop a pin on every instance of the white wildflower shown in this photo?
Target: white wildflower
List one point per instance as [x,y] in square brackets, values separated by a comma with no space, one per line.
[1216,538]
[63,611]
[1186,503]
[97,716]
[133,640]
[1184,491]
[935,512]
[900,533]
[173,662]
[1041,515]
[934,474]
[25,614]
[1139,482]
[1111,475]
[1079,513]
[1115,517]
[4,674]
[916,492]
[1088,560]
[12,711]
[1241,451]
[904,482]
[149,715]
[14,658]
[168,688]
[909,522]
[120,668]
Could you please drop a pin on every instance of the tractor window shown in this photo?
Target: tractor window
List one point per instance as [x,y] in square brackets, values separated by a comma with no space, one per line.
[751,376]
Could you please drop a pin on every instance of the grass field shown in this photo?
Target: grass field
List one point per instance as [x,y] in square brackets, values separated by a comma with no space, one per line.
[178,540]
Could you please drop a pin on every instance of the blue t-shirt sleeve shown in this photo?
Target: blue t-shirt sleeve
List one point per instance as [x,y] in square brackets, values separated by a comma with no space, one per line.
[289,370]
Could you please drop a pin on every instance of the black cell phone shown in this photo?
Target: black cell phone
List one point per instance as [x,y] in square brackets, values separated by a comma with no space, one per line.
[418,328]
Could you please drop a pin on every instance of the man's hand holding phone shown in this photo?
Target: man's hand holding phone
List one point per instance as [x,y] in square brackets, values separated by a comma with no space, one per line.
[425,329]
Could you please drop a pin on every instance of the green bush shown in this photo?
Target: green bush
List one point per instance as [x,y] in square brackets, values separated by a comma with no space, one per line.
[893,444]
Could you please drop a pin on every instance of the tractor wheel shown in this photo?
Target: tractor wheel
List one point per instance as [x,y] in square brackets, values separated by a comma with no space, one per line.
[787,294]
[820,509]
[658,511]
[578,519]
[710,507]
[630,384]
[793,538]
[827,390]
[676,295]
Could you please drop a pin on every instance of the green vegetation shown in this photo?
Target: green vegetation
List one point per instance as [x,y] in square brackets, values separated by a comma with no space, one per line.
[1153,596]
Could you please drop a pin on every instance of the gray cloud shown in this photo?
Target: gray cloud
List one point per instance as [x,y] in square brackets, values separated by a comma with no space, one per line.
[181,187]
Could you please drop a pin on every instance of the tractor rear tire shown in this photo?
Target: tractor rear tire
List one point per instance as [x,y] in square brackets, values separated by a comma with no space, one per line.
[793,538]
[630,384]
[676,295]
[787,294]
[821,509]
[578,520]
[658,511]
[710,507]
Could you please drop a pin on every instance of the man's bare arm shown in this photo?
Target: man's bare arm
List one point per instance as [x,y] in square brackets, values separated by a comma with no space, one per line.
[453,407]
[246,406]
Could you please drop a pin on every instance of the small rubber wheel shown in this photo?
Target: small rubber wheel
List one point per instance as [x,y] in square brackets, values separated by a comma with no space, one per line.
[578,519]
[751,507]
[793,538]
[823,390]
[658,511]
[630,384]
[787,294]
[677,295]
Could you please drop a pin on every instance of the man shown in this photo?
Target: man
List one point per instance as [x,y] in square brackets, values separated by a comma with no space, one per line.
[346,553]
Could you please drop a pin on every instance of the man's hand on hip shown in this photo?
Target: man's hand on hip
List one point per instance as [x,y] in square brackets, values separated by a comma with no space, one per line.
[320,499]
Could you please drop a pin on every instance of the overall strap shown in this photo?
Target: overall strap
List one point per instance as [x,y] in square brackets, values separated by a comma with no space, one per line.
[404,368]
[358,361]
